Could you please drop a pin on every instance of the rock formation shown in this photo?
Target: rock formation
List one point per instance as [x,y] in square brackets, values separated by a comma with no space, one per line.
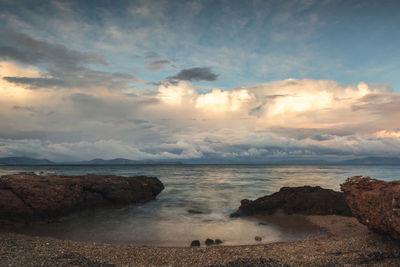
[195,243]
[209,242]
[374,203]
[297,200]
[27,196]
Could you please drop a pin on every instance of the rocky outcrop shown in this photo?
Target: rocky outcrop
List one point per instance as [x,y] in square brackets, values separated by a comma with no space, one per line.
[27,196]
[374,203]
[297,200]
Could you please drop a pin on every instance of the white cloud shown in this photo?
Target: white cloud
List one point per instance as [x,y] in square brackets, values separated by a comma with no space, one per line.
[289,118]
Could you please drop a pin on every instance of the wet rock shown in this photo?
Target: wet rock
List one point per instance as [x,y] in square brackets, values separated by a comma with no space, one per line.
[374,203]
[218,241]
[257,238]
[209,242]
[309,200]
[194,211]
[195,243]
[27,196]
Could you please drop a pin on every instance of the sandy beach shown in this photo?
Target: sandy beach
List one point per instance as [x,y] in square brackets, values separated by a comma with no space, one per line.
[345,242]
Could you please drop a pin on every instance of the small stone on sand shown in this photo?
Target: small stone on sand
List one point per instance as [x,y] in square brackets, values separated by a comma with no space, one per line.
[195,243]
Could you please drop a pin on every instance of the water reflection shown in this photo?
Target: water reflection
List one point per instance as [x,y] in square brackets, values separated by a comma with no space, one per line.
[215,191]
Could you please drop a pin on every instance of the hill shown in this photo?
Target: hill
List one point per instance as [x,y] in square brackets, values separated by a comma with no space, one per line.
[24,161]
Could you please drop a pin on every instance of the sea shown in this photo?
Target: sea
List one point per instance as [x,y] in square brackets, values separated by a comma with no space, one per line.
[212,191]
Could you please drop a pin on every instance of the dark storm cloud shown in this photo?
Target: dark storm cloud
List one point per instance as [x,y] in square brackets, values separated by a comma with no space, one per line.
[83,78]
[25,49]
[319,137]
[196,74]
[36,83]
[157,64]
[65,68]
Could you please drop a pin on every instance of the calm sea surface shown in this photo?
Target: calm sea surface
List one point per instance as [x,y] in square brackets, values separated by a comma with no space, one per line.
[215,190]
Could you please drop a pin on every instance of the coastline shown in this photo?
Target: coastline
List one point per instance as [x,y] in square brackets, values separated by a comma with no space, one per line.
[344,242]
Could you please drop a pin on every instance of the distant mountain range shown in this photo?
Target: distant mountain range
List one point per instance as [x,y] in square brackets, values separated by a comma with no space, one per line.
[24,161]
[372,160]
[117,161]
[122,161]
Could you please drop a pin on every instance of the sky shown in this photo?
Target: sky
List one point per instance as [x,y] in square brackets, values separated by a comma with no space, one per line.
[200,81]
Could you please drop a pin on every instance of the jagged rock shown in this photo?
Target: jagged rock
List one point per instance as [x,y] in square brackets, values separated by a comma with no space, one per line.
[195,243]
[209,242]
[309,200]
[27,196]
[374,203]
[218,241]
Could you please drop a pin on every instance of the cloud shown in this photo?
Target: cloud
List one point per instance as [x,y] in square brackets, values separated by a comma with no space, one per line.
[84,78]
[183,93]
[388,134]
[319,137]
[295,119]
[195,74]
[151,54]
[24,49]
[64,68]
[157,64]
[36,83]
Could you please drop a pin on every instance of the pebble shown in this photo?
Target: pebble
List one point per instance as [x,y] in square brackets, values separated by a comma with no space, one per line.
[209,242]
[195,243]
[218,241]
[350,247]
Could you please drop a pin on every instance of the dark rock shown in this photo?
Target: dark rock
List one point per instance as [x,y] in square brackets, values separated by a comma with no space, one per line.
[195,211]
[195,243]
[258,238]
[209,242]
[27,196]
[374,203]
[235,214]
[155,184]
[378,256]
[309,200]
[218,241]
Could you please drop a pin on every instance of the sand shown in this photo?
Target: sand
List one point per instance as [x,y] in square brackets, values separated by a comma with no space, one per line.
[344,242]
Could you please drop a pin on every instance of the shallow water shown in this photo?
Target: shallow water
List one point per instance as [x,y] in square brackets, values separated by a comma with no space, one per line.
[215,190]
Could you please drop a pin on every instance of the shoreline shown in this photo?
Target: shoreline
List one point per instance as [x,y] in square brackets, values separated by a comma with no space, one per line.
[345,241]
